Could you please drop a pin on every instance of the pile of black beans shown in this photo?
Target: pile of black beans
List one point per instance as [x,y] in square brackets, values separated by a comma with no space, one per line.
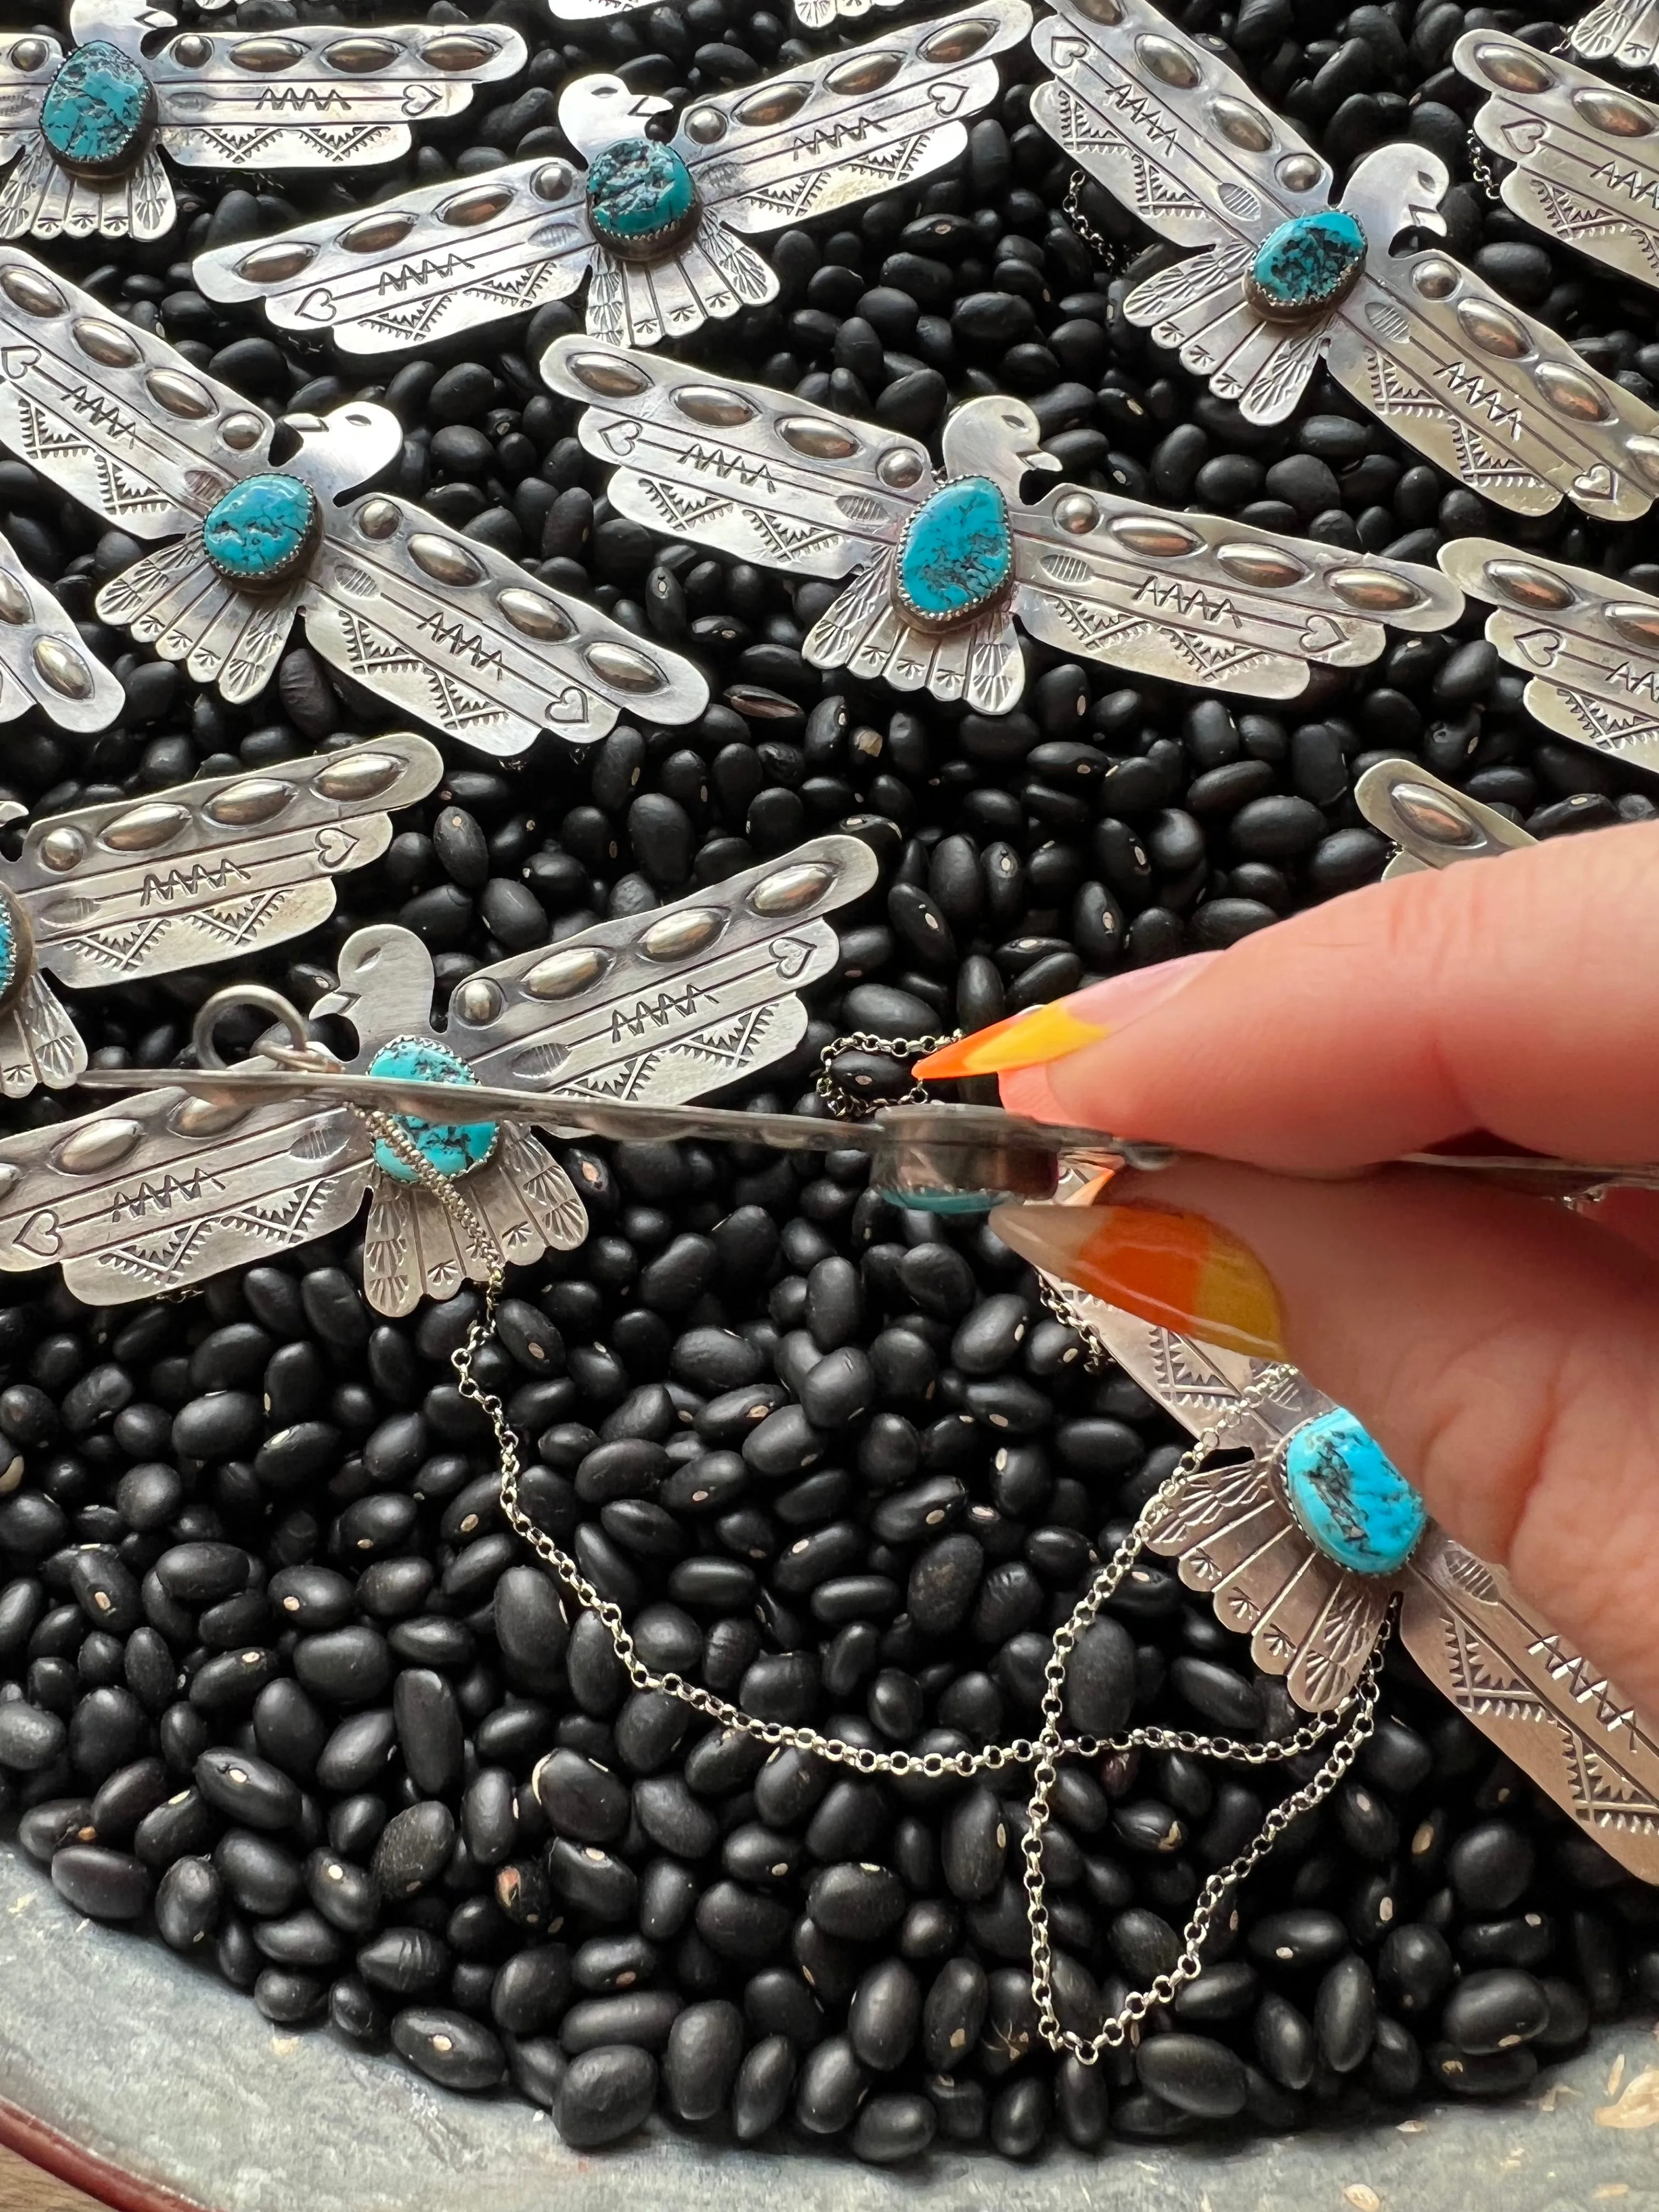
[279,1686]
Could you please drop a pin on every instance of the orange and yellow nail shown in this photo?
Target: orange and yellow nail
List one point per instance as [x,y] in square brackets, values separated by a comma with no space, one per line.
[1029,1040]
[1178,1271]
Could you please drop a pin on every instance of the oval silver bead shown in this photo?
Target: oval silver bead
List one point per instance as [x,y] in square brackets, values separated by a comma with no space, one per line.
[677,936]
[96,1144]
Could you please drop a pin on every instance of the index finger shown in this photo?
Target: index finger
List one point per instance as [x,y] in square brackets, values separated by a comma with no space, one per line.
[1518,996]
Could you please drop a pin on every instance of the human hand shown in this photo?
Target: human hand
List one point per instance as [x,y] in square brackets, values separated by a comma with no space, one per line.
[1500,1348]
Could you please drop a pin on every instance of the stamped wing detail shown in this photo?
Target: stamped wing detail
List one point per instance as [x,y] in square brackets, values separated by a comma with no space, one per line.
[749,471]
[1624,31]
[1491,395]
[174,600]
[110,413]
[1206,601]
[162,1191]
[39,1042]
[665,1006]
[210,869]
[424,265]
[1583,165]
[1200,1385]
[521,1200]
[455,633]
[847,125]
[323,97]
[1588,644]
[1538,1699]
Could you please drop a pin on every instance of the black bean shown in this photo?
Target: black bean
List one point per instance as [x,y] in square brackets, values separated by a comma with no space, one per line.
[829,2088]
[247,1788]
[104,1885]
[606,2093]
[30,1740]
[414,1847]
[187,1903]
[448,2048]
[1303,1937]
[1193,2072]
[1495,2011]
[705,2048]
[1490,1867]
[1345,2015]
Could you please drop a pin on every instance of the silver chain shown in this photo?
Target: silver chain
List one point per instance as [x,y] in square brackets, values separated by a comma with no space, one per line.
[1109,250]
[840,1100]
[1043,1753]
[1481,169]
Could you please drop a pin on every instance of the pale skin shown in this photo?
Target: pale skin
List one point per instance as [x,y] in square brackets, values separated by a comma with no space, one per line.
[1501,1348]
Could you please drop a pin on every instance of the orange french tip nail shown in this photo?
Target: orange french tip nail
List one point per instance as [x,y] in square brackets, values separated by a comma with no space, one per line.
[1178,1271]
[1022,1041]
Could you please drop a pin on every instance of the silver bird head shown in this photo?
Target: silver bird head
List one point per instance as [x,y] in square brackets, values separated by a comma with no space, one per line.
[344,448]
[596,112]
[997,438]
[384,985]
[122,24]
[1398,187]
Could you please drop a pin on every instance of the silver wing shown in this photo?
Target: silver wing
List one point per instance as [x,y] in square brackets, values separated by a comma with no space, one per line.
[422,266]
[160,1192]
[176,600]
[1432,825]
[28,66]
[320,98]
[39,1042]
[711,274]
[1494,398]
[1539,1700]
[664,1006]
[1589,644]
[1199,600]
[747,471]
[43,662]
[1625,31]
[111,413]
[1580,171]
[1170,129]
[39,197]
[1230,1529]
[210,869]
[522,1199]
[847,125]
[456,633]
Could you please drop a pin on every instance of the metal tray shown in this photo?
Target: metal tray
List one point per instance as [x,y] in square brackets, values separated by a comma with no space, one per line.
[148,2083]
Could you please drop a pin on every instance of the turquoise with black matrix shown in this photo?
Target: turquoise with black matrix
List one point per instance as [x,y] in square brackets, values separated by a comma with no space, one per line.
[261,529]
[959,551]
[638,192]
[1306,265]
[453,1148]
[96,108]
[1351,1501]
[10,949]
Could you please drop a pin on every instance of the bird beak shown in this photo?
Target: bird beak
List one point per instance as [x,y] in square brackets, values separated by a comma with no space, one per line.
[335,1001]
[649,103]
[308,426]
[1426,218]
[1036,459]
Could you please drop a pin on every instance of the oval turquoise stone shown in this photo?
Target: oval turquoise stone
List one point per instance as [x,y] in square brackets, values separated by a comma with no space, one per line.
[96,108]
[638,192]
[453,1148]
[1351,1501]
[1306,265]
[261,530]
[959,551]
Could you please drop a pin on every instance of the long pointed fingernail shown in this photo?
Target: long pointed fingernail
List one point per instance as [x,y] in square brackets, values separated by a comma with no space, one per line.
[1178,1271]
[1048,1033]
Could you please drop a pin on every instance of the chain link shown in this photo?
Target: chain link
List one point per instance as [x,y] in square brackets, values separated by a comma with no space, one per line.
[1043,1753]
[1109,252]
[836,1095]
[1480,167]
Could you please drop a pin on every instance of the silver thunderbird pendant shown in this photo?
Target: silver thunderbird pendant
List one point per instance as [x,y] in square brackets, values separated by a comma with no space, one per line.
[86,131]
[1284,276]
[43,661]
[1576,142]
[661,225]
[1623,31]
[442,628]
[943,565]
[1304,1546]
[166,1189]
[1588,644]
[182,878]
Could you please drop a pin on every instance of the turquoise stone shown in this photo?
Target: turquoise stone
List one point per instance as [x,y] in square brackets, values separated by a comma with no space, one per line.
[96,109]
[1353,1502]
[453,1148]
[1306,265]
[261,530]
[640,195]
[11,949]
[957,554]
